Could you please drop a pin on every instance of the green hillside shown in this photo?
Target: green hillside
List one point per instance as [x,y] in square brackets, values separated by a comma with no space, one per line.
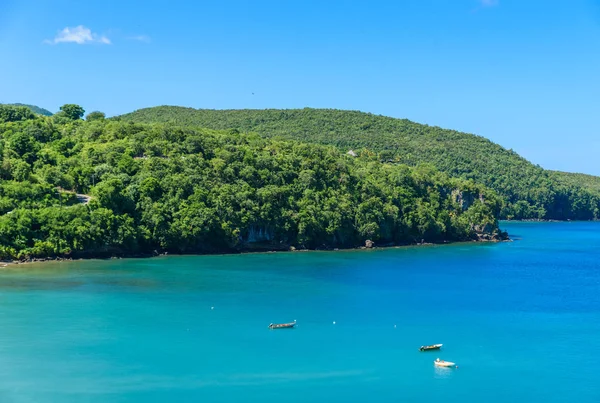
[99,187]
[35,109]
[527,190]
[590,182]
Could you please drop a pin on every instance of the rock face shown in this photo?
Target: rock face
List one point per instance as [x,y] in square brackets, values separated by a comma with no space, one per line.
[489,233]
[258,234]
[465,199]
[369,244]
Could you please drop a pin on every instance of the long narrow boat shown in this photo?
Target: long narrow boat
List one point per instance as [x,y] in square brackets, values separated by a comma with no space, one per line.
[282,325]
[430,348]
[445,364]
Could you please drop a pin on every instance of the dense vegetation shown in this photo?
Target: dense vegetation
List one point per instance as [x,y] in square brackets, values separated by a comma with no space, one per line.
[527,190]
[590,182]
[157,187]
[10,113]
[35,109]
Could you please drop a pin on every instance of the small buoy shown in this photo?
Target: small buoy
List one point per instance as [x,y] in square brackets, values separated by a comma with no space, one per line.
[334,322]
[394,326]
[212,307]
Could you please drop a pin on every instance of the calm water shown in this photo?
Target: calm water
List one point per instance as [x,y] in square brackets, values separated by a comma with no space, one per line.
[521,319]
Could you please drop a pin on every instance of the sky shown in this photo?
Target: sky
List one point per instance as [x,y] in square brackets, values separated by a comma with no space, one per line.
[523,73]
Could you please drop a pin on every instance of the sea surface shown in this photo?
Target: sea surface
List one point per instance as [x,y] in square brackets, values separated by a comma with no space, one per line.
[521,319]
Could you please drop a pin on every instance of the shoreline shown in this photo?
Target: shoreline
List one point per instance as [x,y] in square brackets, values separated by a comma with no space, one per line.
[545,220]
[290,249]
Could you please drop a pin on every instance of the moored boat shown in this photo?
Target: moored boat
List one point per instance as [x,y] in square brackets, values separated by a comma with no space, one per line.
[445,364]
[432,347]
[282,325]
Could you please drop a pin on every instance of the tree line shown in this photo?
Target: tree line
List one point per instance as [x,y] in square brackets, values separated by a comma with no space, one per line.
[160,187]
[527,191]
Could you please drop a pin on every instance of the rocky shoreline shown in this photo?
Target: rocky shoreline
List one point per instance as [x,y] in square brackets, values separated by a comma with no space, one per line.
[484,238]
[541,220]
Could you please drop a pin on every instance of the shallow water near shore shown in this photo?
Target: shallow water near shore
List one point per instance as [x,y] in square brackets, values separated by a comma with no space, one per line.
[521,319]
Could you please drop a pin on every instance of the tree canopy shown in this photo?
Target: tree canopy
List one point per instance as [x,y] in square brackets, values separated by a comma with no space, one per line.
[72,111]
[159,187]
[96,115]
[527,190]
[35,109]
[11,113]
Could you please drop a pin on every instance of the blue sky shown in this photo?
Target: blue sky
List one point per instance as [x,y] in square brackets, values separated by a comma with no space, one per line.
[523,73]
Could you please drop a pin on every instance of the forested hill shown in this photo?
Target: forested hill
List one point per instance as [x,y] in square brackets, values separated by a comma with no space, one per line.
[528,191]
[590,182]
[74,187]
[35,109]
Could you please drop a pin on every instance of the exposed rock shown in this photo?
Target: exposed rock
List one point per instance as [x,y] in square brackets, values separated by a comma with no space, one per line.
[485,229]
[369,243]
[488,232]
[82,198]
[292,248]
[466,199]
[258,234]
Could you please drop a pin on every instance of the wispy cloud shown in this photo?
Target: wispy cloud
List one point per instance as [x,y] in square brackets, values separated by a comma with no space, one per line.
[79,35]
[140,38]
[489,3]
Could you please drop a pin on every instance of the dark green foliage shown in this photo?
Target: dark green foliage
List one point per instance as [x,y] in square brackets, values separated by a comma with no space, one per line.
[96,115]
[72,111]
[162,187]
[35,109]
[10,113]
[527,190]
[590,182]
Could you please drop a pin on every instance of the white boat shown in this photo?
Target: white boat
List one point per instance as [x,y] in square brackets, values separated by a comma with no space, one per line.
[446,364]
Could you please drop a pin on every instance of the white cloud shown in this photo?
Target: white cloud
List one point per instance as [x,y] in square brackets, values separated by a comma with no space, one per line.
[140,38]
[489,3]
[79,35]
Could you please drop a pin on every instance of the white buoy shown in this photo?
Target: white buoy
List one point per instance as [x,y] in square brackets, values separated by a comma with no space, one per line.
[334,322]
[394,326]
[212,307]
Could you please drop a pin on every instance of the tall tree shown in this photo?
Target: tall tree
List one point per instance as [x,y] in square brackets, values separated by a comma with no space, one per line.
[72,111]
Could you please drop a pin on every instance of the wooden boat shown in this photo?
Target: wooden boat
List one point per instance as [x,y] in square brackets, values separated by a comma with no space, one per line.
[445,364]
[432,347]
[282,325]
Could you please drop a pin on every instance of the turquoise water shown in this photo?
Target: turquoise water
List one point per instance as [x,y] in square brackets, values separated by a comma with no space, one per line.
[521,319]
